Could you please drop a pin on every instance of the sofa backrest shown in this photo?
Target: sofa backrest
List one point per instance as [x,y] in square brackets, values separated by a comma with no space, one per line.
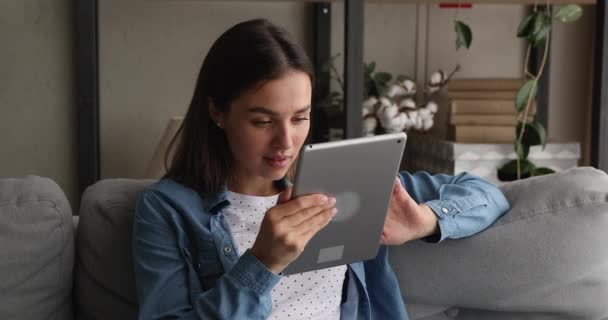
[543,258]
[36,250]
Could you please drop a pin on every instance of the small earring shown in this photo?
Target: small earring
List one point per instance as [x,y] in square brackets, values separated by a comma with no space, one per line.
[218,124]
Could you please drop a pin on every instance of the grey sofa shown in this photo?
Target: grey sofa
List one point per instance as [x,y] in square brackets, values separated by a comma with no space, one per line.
[545,259]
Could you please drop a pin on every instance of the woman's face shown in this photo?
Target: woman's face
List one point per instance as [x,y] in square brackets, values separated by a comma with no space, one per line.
[266,127]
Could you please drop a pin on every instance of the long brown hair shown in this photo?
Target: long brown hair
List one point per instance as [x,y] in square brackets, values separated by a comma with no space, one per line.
[244,56]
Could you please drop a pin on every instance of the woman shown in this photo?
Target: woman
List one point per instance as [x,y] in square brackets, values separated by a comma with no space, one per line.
[211,237]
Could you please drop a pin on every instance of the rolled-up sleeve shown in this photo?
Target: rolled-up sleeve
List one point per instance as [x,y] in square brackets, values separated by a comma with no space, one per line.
[464,204]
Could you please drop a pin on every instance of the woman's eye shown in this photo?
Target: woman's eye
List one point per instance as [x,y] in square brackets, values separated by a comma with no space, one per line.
[299,120]
[262,123]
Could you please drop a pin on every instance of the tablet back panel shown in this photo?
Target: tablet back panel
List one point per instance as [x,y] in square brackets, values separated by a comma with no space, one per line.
[360,173]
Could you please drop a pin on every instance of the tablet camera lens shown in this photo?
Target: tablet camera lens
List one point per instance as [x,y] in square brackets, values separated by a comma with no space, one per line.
[399,141]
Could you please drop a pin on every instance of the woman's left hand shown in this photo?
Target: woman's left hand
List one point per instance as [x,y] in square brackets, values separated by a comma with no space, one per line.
[407,220]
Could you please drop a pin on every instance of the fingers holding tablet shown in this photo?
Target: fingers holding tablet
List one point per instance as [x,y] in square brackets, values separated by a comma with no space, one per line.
[320,221]
[287,228]
[306,216]
[300,203]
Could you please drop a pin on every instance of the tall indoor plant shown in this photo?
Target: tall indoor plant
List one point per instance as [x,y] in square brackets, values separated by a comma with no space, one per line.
[536,29]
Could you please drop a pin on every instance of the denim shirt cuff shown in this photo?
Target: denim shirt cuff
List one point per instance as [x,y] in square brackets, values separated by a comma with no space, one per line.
[445,210]
[253,274]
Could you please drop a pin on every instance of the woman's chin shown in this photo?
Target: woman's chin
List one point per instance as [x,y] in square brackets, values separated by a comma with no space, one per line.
[278,175]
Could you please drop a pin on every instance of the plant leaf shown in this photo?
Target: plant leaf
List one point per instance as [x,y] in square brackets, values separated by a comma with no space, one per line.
[382,78]
[401,78]
[367,69]
[540,171]
[372,66]
[463,35]
[382,89]
[508,172]
[534,135]
[528,89]
[369,86]
[540,37]
[540,30]
[525,27]
[568,13]
[540,131]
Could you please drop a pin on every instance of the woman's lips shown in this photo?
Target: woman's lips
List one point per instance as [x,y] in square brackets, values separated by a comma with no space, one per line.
[277,162]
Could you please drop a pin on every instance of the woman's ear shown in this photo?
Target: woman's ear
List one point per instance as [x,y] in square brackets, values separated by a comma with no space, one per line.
[216,116]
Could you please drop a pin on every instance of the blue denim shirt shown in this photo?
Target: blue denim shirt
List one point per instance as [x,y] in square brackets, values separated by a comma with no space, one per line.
[187,266]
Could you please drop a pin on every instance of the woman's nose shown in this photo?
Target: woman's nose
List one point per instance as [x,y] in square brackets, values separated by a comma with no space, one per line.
[282,137]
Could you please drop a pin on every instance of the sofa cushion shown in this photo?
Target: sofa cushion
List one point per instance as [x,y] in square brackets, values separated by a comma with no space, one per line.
[105,286]
[36,250]
[545,259]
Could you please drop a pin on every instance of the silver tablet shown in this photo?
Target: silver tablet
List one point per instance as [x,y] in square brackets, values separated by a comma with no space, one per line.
[360,173]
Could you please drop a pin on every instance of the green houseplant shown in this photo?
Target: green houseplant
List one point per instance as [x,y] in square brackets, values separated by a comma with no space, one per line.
[536,29]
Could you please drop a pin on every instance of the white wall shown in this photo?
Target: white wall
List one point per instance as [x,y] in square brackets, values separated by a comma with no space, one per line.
[395,33]
[150,55]
[570,82]
[495,50]
[389,36]
[37,111]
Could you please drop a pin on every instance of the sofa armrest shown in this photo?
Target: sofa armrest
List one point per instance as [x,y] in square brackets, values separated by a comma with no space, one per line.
[544,258]
[36,250]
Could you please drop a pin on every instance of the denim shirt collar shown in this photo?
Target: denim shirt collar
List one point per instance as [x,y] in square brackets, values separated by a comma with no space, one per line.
[215,201]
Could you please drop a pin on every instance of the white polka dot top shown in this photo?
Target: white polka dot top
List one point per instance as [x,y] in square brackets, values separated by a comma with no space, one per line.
[311,295]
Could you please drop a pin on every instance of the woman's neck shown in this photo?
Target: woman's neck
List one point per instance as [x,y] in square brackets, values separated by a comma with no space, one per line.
[261,187]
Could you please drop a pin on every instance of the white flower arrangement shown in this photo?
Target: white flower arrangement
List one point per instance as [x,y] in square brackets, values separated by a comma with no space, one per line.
[391,105]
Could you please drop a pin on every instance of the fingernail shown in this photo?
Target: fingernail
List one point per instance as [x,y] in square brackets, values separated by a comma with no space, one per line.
[332,200]
[323,199]
[334,211]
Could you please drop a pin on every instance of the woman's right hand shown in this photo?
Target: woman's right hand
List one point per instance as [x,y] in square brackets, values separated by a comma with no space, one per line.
[287,228]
